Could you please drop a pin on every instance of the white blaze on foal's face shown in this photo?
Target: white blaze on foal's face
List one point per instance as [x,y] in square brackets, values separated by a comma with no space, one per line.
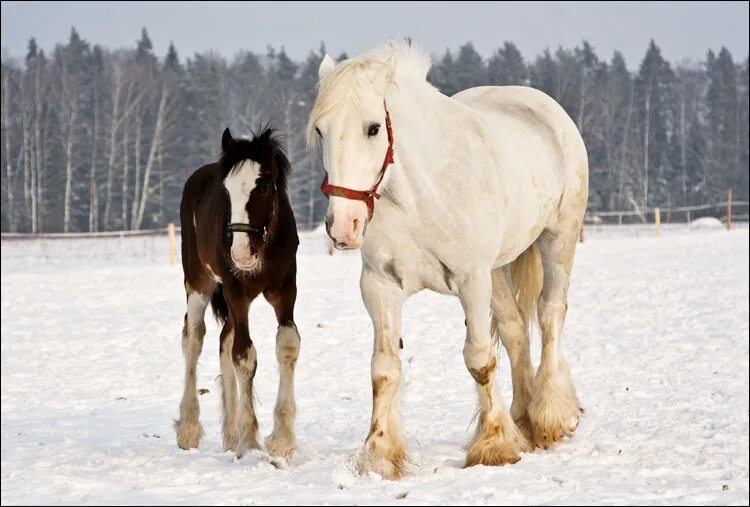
[354,141]
[239,183]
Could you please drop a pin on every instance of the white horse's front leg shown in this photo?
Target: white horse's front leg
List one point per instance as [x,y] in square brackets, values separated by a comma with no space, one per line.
[497,441]
[385,447]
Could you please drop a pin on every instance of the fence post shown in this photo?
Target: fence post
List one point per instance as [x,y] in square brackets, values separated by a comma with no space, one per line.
[170,234]
[657,220]
[729,209]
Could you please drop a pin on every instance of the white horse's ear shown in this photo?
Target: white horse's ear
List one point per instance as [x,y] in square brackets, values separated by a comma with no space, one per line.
[326,66]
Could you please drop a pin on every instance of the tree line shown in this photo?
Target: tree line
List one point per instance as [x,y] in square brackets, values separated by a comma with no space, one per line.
[96,139]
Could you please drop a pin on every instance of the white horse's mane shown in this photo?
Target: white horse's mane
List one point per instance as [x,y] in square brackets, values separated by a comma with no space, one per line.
[390,63]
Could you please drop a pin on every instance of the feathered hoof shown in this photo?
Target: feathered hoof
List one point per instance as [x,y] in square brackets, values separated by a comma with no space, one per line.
[497,444]
[549,434]
[245,446]
[229,440]
[389,464]
[554,410]
[189,434]
[492,452]
[281,445]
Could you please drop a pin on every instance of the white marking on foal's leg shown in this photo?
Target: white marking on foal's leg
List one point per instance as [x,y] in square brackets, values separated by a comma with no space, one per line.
[228,393]
[282,441]
[188,427]
[497,441]
[245,367]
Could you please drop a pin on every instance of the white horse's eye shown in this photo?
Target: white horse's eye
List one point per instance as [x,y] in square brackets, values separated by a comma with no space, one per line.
[318,131]
[373,129]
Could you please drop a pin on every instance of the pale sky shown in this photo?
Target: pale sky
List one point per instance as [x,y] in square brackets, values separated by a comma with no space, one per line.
[683,30]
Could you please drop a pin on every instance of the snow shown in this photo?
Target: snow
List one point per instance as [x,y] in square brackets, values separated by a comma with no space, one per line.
[706,223]
[656,337]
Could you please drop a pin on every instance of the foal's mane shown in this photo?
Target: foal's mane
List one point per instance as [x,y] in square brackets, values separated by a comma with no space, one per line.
[388,64]
[264,148]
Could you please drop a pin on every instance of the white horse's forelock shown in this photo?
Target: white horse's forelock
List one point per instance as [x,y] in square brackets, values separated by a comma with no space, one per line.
[393,61]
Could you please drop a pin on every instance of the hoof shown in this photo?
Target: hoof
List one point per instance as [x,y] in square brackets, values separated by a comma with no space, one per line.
[281,446]
[243,447]
[229,441]
[497,444]
[390,464]
[189,434]
[547,435]
[491,453]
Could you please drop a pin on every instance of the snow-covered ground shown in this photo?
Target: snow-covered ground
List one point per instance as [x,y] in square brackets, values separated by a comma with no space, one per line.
[656,338]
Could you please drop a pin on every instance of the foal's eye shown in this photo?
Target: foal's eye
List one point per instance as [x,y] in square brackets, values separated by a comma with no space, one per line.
[264,188]
[318,131]
[373,129]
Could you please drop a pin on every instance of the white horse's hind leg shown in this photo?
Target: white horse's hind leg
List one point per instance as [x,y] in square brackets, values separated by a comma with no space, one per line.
[554,409]
[509,325]
[228,390]
[497,441]
[385,447]
[188,428]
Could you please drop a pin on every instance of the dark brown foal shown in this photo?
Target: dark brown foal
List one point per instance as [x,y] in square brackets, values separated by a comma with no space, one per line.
[239,239]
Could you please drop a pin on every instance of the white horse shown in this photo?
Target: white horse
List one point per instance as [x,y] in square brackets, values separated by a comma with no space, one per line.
[464,196]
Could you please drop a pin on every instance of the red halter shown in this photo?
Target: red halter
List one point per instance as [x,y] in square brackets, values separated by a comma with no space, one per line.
[368,196]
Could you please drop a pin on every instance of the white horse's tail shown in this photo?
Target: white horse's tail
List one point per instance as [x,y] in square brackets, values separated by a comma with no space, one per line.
[527,276]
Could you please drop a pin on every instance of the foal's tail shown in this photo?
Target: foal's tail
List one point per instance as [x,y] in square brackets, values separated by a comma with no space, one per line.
[527,276]
[219,304]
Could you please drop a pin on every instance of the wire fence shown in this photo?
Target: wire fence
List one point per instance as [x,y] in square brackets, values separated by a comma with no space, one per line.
[683,214]
[162,244]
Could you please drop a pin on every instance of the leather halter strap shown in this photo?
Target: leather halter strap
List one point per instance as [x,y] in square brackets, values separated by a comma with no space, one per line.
[367,196]
[240,227]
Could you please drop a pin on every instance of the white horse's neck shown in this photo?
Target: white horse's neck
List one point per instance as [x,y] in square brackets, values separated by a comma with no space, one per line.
[429,130]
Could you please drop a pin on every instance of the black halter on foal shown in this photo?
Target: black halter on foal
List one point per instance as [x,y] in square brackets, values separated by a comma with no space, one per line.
[240,227]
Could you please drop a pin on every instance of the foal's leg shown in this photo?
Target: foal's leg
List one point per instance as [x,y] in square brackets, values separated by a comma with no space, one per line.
[385,447]
[554,408]
[510,326]
[497,440]
[245,363]
[188,428]
[228,389]
[282,441]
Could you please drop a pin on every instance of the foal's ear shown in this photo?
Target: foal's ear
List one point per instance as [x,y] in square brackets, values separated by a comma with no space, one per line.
[326,66]
[227,141]
[265,139]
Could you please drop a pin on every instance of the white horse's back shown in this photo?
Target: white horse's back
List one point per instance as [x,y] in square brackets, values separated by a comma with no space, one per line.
[533,138]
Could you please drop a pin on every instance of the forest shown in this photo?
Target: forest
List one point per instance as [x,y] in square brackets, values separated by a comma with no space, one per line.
[98,139]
